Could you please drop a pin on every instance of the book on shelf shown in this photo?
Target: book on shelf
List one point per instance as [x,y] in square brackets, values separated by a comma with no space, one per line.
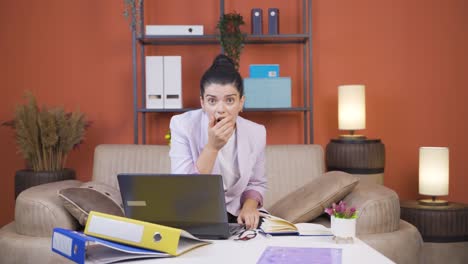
[274,225]
[296,255]
[142,234]
[81,248]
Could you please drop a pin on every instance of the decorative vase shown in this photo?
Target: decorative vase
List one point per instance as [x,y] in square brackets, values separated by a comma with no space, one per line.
[343,229]
[29,178]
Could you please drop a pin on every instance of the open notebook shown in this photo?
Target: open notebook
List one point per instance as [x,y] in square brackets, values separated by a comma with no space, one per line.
[274,225]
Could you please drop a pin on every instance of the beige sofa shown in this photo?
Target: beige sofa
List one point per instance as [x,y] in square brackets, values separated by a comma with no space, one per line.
[38,209]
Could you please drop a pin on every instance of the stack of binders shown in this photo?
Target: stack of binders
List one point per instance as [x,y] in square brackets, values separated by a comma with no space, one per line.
[163,82]
[265,89]
[108,238]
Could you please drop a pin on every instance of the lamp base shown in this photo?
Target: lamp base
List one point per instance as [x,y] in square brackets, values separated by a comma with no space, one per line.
[433,202]
[352,137]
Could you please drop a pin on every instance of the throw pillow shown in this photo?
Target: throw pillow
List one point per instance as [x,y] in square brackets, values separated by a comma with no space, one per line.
[91,196]
[310,201]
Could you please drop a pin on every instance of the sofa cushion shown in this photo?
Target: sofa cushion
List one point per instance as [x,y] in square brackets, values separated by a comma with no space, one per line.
[289,167]
[378,208]
[110,160]
[91,196]
[38,210]
[308,202]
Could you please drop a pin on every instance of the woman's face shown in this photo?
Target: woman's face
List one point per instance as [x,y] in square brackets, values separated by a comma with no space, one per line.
[220,101]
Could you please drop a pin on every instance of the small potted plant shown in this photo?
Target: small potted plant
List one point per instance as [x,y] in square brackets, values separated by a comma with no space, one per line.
[44,138]
[343,221]
[230,35]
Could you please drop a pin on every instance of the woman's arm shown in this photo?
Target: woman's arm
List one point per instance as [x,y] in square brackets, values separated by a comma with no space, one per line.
[257,184]
[207,159]
[252,197]
[180,152]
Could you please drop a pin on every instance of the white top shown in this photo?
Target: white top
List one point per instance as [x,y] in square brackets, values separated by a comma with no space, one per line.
[227,162]
[235,252]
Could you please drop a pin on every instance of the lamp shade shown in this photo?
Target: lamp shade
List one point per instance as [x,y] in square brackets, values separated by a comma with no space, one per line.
[433,171]
[351,107]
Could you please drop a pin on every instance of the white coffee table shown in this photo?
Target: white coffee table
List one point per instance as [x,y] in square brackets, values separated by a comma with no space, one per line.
[236,252]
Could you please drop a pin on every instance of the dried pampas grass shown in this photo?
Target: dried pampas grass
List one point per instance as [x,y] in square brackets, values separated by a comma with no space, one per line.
[45,137]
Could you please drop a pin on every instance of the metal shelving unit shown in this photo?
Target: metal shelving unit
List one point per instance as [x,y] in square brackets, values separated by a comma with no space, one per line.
[305,39]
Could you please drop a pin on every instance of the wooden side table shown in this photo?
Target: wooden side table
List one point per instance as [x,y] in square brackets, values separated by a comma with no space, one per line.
[364,158]
[437,223]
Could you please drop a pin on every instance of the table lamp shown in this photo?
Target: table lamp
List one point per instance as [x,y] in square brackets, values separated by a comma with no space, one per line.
[433,174]
[351,110]
[353,153]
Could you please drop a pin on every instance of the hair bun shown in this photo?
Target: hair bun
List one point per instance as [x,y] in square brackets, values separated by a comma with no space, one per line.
[224,62]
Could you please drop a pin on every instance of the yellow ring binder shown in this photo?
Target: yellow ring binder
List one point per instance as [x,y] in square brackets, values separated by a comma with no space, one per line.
[157,237]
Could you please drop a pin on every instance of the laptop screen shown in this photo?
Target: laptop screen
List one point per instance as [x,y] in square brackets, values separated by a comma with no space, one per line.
[173,199]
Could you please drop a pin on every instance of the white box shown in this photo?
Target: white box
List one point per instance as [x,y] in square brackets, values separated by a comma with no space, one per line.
[172,82]
[154,82]
[172,30]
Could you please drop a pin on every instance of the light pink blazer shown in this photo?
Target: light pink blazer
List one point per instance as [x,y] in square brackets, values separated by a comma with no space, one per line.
[189,135]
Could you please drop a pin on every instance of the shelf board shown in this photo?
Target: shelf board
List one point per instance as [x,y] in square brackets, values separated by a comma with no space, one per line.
[213,39]
[174,110]
[278,109]
[273,39]
[281,109]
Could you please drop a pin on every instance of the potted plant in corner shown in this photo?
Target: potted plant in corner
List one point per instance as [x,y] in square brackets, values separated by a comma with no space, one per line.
[231,37]
[44,138]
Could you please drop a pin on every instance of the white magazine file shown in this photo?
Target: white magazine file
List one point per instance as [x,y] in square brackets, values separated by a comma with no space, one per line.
[172,82]
[154,82]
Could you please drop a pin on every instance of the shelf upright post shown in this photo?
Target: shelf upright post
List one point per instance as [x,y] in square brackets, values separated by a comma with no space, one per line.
[134,74]
[143,74]
[311,123]
[304,72]
[221,14]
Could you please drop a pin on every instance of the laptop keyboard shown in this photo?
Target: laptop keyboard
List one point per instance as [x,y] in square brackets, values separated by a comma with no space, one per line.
[235,229]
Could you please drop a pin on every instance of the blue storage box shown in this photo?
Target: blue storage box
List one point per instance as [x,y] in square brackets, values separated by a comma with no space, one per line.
[267,92]
[264,70]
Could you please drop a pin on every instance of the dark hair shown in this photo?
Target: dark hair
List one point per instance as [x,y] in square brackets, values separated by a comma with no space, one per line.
[223,72]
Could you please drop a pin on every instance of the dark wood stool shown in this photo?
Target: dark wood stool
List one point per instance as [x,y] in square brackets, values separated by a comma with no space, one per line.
[437,223]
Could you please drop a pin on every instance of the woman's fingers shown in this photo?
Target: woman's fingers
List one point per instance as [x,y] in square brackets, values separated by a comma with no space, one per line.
[220,132]
[226,121]
[251,221]
[256,220]
[225,135]
[212,122]
[223,131]
[248,222]
[245,220]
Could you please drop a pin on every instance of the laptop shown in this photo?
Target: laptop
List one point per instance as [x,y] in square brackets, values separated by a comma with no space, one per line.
[193,202]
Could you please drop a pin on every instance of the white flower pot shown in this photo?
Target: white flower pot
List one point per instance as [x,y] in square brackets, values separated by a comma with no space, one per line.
[343,228]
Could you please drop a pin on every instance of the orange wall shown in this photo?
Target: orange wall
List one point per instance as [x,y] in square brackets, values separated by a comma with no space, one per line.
[410,54]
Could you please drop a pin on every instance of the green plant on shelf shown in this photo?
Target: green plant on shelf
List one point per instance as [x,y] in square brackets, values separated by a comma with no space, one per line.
[231,37]
[131,11]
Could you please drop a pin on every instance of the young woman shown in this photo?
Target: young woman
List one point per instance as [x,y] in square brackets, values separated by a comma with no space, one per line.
[216,140]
